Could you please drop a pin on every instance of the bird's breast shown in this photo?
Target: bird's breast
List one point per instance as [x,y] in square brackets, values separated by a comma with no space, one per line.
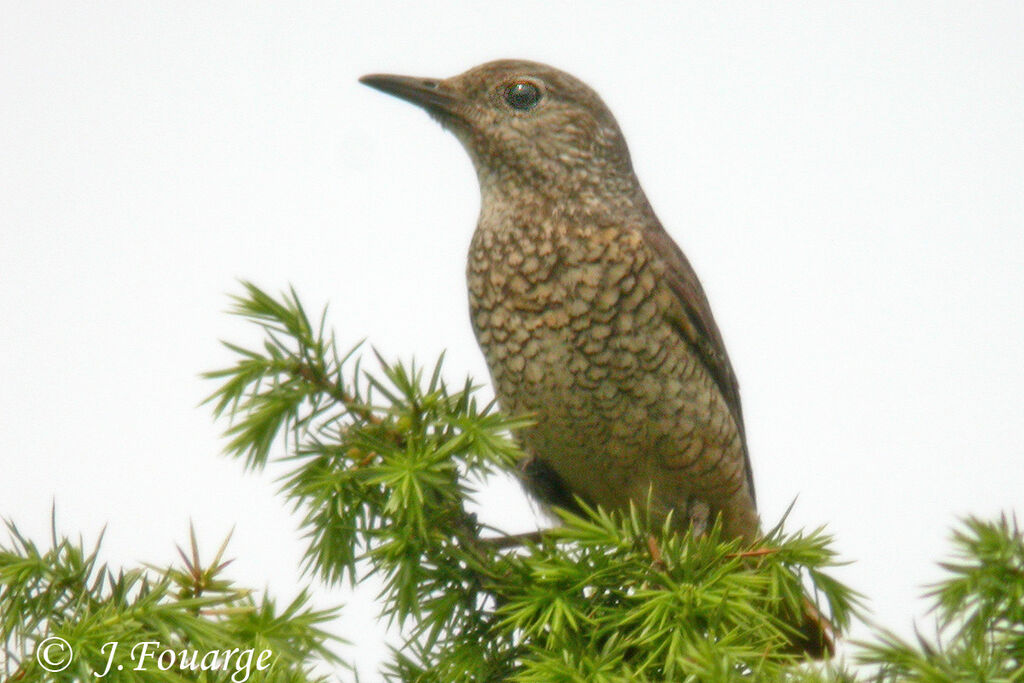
[571,322]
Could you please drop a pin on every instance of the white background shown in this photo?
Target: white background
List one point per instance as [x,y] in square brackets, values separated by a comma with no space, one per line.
[846,178]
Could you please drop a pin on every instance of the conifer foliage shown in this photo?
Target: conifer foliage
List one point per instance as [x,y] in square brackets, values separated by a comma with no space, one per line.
[384,465]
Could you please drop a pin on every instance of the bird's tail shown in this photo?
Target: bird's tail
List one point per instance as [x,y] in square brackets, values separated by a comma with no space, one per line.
[815,634]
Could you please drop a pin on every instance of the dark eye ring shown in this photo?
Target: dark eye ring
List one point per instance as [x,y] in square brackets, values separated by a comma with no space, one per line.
[522,95]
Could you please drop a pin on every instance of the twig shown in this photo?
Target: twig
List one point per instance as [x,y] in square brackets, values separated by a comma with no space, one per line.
[513,540]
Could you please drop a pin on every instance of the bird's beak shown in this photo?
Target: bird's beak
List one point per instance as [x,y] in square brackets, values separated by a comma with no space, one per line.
[428,93]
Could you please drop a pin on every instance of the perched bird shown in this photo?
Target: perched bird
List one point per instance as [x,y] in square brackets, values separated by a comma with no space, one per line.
[590,317]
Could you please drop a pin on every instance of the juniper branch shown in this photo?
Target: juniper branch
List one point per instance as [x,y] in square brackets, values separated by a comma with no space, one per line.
[383,467]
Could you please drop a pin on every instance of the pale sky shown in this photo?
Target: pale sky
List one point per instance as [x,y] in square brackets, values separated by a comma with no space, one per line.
[847,179]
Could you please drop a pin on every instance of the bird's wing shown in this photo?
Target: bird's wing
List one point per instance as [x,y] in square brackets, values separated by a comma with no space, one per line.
[697,326]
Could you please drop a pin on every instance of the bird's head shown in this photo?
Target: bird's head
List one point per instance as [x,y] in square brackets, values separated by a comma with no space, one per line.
[522,122]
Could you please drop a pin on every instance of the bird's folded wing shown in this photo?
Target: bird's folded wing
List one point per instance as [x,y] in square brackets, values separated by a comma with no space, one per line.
[696,325]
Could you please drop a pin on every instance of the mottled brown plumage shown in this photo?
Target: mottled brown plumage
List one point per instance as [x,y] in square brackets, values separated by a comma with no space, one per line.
[589,315]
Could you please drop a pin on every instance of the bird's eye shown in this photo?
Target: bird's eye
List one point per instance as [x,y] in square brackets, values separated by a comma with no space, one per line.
[522,95]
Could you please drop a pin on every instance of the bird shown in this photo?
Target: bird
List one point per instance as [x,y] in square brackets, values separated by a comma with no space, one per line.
[590,317]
